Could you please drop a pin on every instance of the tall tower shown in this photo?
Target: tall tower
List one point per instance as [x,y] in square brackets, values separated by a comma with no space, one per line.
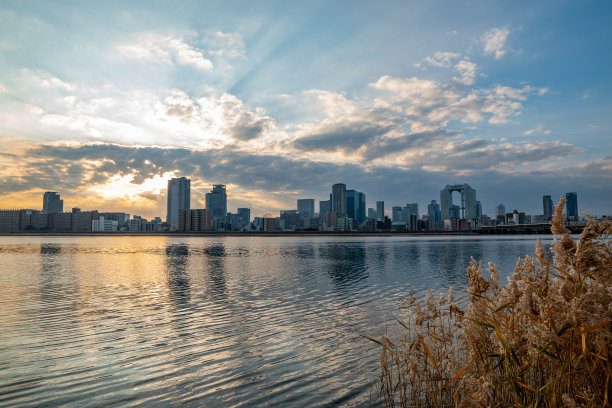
[547,204]
[52,203]
[305,207]
[380,210]
[468,201]
[179,192]
[571,206]
[216,201]
[339,199]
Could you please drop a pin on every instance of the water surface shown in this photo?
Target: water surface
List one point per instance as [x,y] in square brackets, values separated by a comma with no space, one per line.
[213,321]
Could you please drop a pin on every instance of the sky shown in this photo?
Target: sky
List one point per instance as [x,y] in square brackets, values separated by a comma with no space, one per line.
[104,102]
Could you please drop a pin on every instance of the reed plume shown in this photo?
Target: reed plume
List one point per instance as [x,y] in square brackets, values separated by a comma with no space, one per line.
[542,340]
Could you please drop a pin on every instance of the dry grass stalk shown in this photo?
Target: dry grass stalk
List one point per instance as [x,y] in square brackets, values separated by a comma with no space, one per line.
[543,340]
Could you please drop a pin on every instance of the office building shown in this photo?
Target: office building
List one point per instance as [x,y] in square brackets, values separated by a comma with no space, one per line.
[245,216]
[434,216]
[52,203]
[305,208]
[380,210]
[339,198]
[548,207]
[371,214]
[178,196]
[571,206]
[324,208]
[103,224]
[216,203]
[468,201]
[500,210]
[396,214]
[478,210]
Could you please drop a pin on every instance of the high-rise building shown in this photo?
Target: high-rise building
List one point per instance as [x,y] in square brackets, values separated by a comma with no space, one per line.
[478,210]
[216,202]
[468,201]
[361,208]
[178,196]
[351,203]
[305,207]
[548,207]
[245,215]
[339,198]
[413,208]
[396,214]
[500,209]
[324,208]
[571,206]
[434,216]
[371,213]
[52,203]
[380,210]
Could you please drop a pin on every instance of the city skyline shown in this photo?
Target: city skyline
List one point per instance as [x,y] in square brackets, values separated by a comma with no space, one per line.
[278,101]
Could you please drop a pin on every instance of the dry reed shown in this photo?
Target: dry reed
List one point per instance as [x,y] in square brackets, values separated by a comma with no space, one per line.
[543,340]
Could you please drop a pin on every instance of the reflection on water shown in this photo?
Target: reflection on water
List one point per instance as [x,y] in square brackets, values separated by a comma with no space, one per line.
[230,321]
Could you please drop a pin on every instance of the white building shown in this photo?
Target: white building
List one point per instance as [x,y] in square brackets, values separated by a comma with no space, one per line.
[102,224]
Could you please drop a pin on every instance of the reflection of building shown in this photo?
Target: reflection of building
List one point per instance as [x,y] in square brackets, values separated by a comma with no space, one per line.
[339,198]
[178,199]
[548,205]
[52,202]
[571,206]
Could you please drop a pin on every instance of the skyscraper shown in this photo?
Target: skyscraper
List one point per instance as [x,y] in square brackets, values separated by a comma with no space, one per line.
[380,210]
[178,196]
[396,214]
[305,207]
[468,201]
[339,198]
[571,206]
[548,205]
[216,202]
[324,208]
[361,207]
[500,210]
[52,203]
[245,215]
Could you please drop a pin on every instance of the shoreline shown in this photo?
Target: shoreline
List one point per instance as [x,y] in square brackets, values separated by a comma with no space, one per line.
[251,234]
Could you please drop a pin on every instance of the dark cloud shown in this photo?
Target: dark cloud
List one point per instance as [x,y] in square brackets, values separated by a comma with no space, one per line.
[58,168]
[248,126]
[345,137]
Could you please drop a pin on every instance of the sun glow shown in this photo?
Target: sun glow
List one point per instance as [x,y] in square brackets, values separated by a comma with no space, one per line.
[123,187]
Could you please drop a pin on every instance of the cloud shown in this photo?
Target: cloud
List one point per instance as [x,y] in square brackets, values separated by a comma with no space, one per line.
[222,44]
[493,41]
[46,80]
[440,103]
[83,173]
[537,130]
[110,114]
[164,49]
[439,59]
[467,70]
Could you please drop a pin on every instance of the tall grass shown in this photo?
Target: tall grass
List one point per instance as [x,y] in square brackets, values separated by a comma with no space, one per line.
[542,340]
